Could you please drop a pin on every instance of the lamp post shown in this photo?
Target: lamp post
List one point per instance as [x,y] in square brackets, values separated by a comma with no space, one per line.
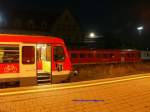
[139,40]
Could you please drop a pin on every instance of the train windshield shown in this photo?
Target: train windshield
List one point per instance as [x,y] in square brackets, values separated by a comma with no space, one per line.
[59,54]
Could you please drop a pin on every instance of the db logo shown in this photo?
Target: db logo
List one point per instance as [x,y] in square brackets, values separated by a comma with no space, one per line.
[10,68]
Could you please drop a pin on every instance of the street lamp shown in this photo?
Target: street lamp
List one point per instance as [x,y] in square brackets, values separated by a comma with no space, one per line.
[92,35]
[140,29]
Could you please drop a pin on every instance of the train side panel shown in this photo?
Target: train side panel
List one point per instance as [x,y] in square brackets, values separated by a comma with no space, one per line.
[104,56]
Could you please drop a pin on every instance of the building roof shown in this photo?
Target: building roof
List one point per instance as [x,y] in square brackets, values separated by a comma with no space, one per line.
[37,16]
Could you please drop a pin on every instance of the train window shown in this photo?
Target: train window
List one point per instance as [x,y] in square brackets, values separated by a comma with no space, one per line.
[82,55]
[9,54]
[139,55]
[59,54]
[148,54]
[122,55]
[102,55]
[105,55]
[131,55]
[98,55]
[73,55]
[144,54]
[110,55]
[136,55]
[90,55]
[28,55]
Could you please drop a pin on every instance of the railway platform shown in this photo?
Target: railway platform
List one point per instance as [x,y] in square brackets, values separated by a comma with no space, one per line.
[122,94]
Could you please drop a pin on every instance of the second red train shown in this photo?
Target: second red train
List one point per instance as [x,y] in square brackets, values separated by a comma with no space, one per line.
[104,56]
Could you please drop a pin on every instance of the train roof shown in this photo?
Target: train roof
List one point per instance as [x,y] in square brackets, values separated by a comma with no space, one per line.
[103,50]
[29,38]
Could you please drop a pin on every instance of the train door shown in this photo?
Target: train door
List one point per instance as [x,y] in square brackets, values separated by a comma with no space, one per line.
[27,64]
[61,64]
[43,63]
[122,57]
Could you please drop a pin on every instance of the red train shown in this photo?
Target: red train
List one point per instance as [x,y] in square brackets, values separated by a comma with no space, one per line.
[104,56]
[32,59]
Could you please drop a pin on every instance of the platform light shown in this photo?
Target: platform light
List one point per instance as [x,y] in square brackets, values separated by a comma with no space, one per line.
[92,35]
[140,28]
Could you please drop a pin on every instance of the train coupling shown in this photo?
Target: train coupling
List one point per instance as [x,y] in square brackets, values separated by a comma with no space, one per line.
[75,72]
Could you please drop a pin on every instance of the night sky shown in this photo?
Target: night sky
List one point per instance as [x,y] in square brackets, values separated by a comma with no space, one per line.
[94,15]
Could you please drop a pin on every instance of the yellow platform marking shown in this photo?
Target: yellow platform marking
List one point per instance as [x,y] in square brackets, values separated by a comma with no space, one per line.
[33,89]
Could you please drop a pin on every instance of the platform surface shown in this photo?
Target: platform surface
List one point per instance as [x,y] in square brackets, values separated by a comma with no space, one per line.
[124,94]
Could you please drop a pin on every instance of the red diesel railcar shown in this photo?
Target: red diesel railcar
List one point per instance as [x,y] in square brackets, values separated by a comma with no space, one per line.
[28,60]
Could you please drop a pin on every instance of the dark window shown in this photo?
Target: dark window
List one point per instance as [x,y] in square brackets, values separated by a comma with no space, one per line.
[111,55]
[9,54]
[122,55]
[133,55]
[90,55]
[73,55]
[105,55]
[28,55]
[139,55]
[98,55]
[108,55]
[145,54]
[101,55]
[129,55]
[148,54]
[82,55]
[59,54]
[66,19]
